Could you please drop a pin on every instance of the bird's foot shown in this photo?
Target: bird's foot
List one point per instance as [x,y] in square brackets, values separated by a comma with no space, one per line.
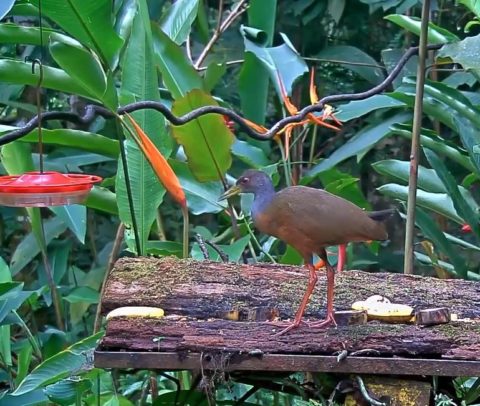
[329,320]
[287,326]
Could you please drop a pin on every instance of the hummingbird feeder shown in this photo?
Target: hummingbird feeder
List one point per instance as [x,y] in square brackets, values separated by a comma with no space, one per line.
[44,188]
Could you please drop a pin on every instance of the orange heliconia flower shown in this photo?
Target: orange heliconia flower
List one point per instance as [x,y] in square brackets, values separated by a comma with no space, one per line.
[159,164]
[311,118]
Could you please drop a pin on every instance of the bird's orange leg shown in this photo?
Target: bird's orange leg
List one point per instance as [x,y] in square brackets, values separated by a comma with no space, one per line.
[330,319]
[312,281]
[342,257]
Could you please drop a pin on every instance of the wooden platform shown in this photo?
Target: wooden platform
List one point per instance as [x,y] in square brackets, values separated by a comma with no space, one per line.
[216,319]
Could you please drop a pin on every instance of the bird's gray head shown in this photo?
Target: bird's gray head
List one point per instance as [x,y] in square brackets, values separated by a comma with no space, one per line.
[251,181]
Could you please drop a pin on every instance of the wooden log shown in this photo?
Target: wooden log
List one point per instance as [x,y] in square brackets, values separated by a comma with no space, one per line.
[204,300]
[206,289]
[451,341]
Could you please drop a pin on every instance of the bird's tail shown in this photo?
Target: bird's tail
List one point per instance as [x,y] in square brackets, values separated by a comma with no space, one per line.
[381,215]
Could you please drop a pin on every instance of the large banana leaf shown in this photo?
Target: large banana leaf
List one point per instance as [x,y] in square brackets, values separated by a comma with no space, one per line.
[140,82]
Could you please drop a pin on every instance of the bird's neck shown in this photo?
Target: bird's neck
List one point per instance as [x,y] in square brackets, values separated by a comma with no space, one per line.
[262,199]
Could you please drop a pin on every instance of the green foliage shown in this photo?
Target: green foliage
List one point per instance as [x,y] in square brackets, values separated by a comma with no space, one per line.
[114,53]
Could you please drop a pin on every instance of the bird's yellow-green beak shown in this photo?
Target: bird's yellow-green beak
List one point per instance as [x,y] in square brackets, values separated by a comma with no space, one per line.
[233,191]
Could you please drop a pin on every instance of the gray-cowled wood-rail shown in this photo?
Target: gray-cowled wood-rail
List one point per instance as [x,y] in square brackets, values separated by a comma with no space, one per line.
[309,220]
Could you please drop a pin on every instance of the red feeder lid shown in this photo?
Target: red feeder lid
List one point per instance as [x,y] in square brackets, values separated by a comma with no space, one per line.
[42,189]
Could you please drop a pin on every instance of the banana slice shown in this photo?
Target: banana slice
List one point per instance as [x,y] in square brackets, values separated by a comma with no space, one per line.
[380,308]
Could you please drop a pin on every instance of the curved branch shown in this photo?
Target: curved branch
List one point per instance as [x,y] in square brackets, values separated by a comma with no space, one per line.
[92,111]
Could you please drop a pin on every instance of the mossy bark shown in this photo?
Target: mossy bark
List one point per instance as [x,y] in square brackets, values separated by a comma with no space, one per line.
[215,306]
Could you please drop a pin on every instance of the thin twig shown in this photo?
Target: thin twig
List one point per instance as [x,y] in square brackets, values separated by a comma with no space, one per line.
[92,111]
[238,10]
[223,255]
[201,244]
[220,15]
[117,243]
[415,148]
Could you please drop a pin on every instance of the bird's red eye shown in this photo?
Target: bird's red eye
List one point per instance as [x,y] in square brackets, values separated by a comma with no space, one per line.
[244,180]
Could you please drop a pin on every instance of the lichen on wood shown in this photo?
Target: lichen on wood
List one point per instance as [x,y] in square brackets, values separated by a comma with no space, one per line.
[200,299]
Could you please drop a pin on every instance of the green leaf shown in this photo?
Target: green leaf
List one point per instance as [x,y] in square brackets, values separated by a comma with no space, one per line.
[18,34]
[350,53]
[82,294]
[5,343]
[11,297]
[102,199]
[202,198]
[206,140]
[164,248]
[53,78]
[140,82]
[82,140]
[472,5]
[17,159]
[82,65]
[28,248]
[178,19]
[67,391]
[33,398]
[464,52]
[400,171]
[178,73]
[431,230]
[428,179]
[360,143]
[390,58]
[75,218]
[344,185]
[24,359]
[433,141]
[358,108]
[213,74]
[440,203]
[89,21]
[282,61]
[466,208]
[73,360]
[250,154]
[436,34]
[469,135]
[440,101]
[445,265]
[253,80]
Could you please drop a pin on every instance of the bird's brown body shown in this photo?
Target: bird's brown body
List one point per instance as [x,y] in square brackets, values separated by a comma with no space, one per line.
[309,219]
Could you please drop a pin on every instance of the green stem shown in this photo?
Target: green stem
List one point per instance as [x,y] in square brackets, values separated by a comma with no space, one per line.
[185,231]
[51,282]
[252,235]
[123,154]
[312,145]
[30,336]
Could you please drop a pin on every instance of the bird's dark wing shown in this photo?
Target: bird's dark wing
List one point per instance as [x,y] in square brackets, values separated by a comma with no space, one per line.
[318,219]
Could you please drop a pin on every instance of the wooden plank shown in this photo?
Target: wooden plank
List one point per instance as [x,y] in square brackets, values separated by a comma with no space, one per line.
[220,309]
[453,340]
[170,361]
